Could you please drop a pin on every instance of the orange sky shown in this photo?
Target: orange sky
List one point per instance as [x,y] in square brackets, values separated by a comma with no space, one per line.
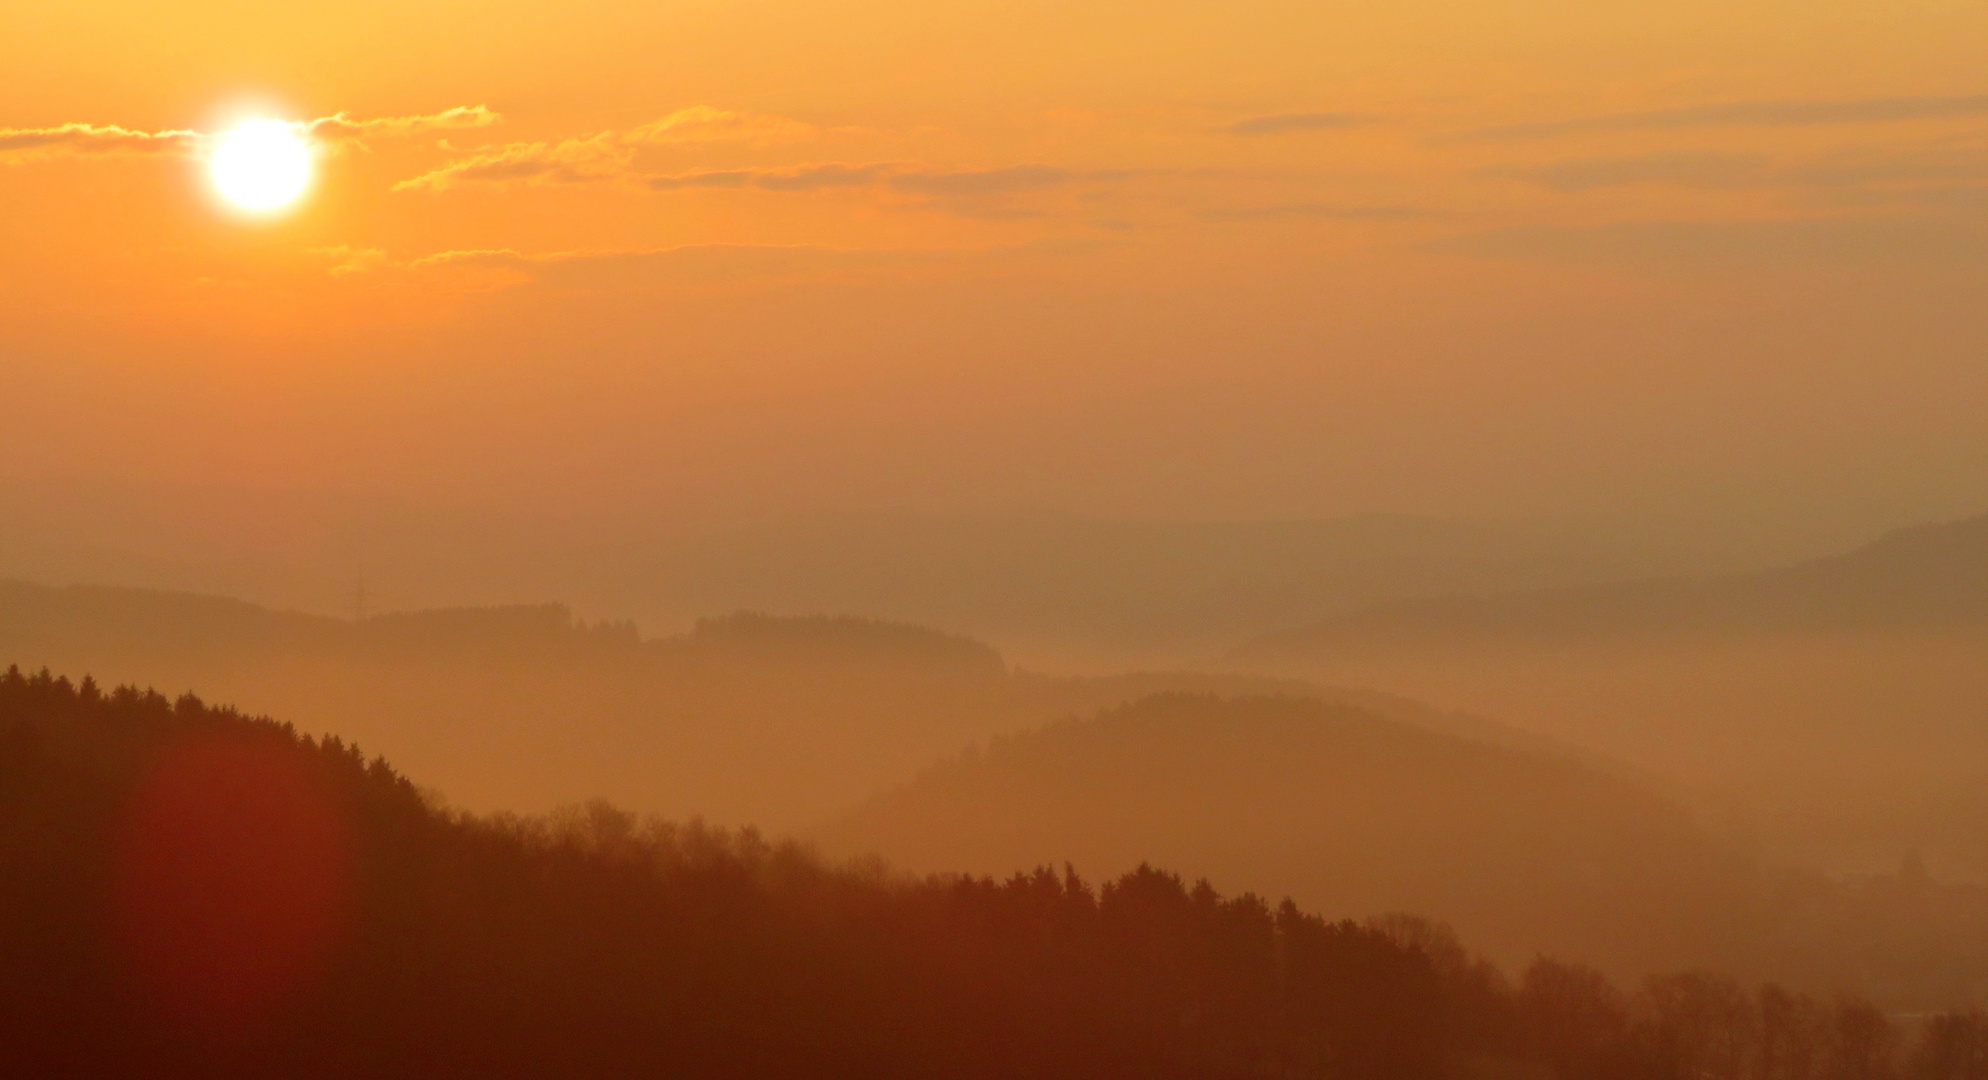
[1157,259]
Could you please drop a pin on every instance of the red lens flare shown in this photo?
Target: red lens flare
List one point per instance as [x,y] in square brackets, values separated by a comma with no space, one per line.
[233,881]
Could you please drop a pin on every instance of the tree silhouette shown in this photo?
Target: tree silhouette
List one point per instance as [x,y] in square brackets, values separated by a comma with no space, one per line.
[185,890]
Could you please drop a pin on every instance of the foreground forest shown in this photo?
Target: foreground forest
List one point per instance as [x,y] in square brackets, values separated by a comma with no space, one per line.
[188,891]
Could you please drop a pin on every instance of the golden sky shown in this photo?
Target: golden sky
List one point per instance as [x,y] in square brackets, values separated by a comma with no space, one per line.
[1174,258]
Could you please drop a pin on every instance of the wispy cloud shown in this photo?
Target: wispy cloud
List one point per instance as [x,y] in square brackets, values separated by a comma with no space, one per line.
[18,145]
[1320,211]
[1864,167]
[1939,163]
[795,178]
[472,271]
[891,175]
[1747,114]
[1909,242]
[756,259]
[1285,123]
[1961,201]
[346,259]
[708,123]
[27,144]
[591,159]
[621,158]
[598,270]
[1005,180]
[609,156]
[1693,169]
[341,127]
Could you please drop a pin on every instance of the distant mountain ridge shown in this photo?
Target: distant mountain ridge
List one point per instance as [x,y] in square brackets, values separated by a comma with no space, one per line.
[176,623]
[1047,586]
[745,717]
[1930,577]
[1831,708]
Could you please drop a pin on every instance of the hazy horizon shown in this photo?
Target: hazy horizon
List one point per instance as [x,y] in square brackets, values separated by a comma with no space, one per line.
[1059,589]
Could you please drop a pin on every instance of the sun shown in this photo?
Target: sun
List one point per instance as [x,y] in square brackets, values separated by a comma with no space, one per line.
[261,166]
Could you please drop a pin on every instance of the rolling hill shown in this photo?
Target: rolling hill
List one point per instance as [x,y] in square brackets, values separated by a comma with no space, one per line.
[1926,579]
[1835,707]
[1525,852]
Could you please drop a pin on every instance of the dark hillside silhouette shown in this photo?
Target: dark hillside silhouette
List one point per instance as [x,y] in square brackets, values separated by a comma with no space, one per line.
[187,891]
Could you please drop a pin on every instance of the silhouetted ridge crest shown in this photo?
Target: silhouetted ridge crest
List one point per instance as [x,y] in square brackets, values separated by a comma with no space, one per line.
[1932,574]
[177,621]
[595,943]
[1340,807]
[840,637]
[1926,578]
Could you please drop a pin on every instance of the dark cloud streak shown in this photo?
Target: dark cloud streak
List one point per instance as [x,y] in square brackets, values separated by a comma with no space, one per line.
[1746,114]
[1918,243]
[1691,168]
[1319,211]
[1286,123]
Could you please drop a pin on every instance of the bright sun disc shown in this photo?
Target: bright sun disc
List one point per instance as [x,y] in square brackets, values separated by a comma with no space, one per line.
[262,165]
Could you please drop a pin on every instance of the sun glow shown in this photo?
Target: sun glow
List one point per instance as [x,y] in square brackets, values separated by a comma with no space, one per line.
[261,166]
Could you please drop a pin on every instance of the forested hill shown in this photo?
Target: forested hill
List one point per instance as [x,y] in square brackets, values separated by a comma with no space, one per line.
[187,891]
[1524,852]
[1342,808]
